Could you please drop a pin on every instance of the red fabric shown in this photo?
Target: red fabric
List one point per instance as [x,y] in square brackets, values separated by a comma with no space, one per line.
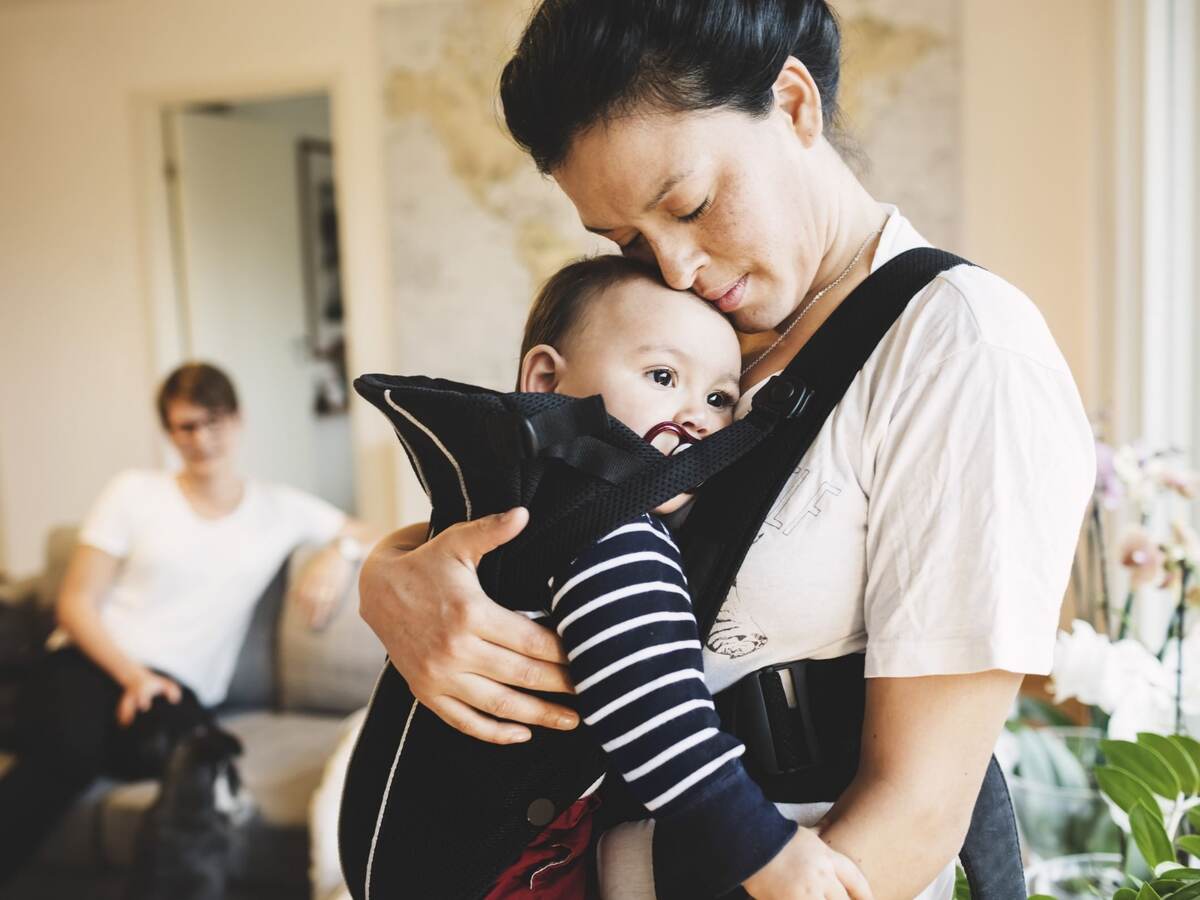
[557,865]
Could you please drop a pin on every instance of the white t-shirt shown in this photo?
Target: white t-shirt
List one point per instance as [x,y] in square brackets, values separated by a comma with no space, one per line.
[933,521]
[187,585]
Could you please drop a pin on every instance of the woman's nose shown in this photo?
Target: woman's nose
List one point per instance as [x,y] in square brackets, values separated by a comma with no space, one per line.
[680,261]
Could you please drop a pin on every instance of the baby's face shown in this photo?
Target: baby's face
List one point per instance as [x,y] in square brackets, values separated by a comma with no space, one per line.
[665,361]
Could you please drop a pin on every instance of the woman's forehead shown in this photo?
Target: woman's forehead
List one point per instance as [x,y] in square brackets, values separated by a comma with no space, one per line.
[623,166]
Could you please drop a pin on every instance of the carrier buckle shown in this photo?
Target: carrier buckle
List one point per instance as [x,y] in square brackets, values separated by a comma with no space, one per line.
[513,437]
[780,737]
[782,397]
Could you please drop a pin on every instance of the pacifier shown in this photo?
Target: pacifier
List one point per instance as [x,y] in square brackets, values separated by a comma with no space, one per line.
[683,440]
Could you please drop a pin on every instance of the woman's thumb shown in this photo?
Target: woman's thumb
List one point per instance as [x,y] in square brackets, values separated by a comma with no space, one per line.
[477,538]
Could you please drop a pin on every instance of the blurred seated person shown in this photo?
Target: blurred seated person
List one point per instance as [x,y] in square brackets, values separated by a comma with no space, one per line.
[155,606]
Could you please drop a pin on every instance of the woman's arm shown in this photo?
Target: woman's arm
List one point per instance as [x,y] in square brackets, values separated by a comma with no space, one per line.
[457,649]
[926,746]
[90,575]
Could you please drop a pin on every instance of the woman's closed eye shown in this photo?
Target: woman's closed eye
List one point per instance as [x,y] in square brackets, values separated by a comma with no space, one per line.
[697,212]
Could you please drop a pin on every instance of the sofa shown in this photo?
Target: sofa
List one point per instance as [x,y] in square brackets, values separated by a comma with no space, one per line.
[291,691]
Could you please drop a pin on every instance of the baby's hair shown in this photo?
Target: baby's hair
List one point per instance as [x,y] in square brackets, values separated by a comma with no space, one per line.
[559,306]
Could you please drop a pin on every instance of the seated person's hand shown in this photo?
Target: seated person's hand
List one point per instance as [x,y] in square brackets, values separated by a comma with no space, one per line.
[808,869]
[140,691]
[320,585]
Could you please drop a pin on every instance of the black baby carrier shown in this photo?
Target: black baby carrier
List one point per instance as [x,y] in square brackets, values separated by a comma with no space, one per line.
[430,813]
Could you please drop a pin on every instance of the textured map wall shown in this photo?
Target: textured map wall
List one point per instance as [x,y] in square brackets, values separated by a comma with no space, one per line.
[474,229]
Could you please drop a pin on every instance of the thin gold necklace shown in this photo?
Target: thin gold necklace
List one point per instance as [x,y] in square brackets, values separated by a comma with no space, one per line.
[817,296]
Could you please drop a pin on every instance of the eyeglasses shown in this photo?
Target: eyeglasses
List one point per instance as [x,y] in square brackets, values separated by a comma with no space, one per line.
[213,422]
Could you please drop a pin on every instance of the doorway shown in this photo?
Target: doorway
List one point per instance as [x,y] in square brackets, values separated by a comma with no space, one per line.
[253,235]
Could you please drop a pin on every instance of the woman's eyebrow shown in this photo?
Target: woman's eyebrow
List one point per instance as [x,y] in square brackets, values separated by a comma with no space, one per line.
[667,186]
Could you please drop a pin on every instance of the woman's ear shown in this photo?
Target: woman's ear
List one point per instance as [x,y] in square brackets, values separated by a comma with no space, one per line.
[797,96]
[541,370]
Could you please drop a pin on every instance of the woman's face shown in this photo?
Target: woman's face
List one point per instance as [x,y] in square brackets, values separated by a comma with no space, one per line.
[725,203]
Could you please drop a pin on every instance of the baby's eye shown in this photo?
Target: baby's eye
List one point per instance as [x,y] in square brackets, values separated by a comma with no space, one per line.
[664,377]
[720,400]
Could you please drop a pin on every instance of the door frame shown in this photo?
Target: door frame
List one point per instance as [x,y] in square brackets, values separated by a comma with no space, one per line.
[370,315]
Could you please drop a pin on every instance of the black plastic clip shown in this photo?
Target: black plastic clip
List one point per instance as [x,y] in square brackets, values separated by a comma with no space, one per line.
[782,398]
[513,437]
[786,741]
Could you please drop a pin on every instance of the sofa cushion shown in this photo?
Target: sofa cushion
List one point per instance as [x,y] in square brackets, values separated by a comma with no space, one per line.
[332,670]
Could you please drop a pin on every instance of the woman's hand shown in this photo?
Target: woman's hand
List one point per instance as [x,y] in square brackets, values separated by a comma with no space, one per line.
[140,690]
[320,585]
[458,650]
[808,869]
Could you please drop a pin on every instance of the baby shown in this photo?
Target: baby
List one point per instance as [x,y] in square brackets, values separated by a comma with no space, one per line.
[666,364]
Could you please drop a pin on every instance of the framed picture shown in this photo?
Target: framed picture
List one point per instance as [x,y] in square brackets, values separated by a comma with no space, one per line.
[321,257]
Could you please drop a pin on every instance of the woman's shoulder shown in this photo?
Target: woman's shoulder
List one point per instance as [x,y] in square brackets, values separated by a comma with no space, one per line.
[968,311]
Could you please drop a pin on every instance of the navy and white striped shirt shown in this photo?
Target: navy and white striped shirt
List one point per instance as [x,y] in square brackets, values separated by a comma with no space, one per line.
[624,614]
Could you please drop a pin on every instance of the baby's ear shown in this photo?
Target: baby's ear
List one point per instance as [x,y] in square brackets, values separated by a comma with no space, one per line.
[541,370]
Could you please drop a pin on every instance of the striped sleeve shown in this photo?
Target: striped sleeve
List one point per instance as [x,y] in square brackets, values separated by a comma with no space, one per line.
[633,648]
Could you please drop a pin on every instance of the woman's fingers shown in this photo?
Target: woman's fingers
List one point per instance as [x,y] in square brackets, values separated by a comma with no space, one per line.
[851,877]
[472,723]
[503,665]
[519,634]
[511,705]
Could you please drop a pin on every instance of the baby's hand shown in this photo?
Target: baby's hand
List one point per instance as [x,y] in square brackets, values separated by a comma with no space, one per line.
[808,869]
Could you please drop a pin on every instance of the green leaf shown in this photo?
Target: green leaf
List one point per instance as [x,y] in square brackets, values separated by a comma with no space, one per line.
[1188,745]
[1190,843]
[1068,769]
[1193,816]
[1145,763]
[1125,790]
[1148,893]
[1181,874]
[1177,758]
[1187,892]
[1125,894]
[1033,759]
[1150,836]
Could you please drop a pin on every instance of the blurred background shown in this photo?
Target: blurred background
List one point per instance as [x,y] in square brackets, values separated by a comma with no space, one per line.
[284,186]
[304,190]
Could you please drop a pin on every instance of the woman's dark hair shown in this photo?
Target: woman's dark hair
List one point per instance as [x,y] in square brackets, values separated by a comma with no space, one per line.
[559,306]
[199,383]
[584,61]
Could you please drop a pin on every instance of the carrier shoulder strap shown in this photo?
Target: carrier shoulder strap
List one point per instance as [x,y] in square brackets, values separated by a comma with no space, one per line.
[733,505]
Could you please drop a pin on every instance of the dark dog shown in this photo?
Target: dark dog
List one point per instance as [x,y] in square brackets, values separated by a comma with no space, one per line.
[185,840]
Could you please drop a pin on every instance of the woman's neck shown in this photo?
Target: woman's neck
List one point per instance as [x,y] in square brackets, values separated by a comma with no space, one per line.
[853,231]
[212,495]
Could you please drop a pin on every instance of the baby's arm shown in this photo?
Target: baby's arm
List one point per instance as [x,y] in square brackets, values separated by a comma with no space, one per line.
[625,617]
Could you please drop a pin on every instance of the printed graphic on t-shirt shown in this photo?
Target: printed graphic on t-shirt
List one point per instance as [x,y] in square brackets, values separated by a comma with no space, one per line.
[800,499]
[735,633]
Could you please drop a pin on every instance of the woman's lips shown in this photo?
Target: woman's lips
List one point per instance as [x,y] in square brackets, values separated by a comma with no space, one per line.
[732,298]
[682,438]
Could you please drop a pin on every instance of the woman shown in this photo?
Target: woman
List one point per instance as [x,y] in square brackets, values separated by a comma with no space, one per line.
[155,605]
[932,523]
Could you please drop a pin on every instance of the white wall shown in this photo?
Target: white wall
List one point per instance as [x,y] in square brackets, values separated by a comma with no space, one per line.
[80,82]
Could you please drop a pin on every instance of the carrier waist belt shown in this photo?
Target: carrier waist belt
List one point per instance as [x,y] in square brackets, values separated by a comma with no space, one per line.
[801,723]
